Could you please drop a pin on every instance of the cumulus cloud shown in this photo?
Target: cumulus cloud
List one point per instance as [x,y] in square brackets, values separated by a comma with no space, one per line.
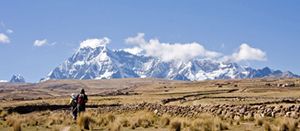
[137,40]
[134,50]
[4,38]
[39,43]
[170,51]
[93,43]
[246,53]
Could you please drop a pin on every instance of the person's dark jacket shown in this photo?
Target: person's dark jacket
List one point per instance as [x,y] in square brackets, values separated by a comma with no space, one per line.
[81,102]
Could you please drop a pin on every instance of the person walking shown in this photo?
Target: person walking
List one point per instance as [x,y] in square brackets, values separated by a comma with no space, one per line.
[81,101]
[73,104]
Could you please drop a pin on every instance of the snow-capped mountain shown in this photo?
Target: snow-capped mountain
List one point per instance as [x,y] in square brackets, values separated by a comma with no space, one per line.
[17,79]
[99,62]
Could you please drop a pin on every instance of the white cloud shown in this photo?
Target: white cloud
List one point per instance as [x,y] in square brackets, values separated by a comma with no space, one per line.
[168,51]
[4,38]
[40,43]
[134,50]
[9,31]
[246,53]
[138,40]
[93,43]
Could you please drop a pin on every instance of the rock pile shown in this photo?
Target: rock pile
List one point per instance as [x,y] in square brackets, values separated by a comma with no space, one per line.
[222,110]
[226,111]
[281,84]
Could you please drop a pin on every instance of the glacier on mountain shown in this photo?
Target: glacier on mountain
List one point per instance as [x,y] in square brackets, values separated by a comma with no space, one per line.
[96,61]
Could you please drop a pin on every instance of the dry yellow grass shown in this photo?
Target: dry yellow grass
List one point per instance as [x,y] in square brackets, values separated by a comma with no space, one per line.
[140,120]
[267,127]
[17,126]
[247,91]
[175,126]
[165,121]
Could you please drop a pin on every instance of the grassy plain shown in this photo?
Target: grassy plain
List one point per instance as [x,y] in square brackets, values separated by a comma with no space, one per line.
[43,106]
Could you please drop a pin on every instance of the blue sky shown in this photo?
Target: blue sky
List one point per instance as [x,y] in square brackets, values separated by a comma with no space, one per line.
[222,26]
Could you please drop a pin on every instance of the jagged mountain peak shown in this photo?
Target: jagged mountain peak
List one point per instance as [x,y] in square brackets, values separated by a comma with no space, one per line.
[99,62]
[17,79]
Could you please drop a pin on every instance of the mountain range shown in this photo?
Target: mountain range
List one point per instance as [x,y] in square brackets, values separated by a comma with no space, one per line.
[99,62]
[15,79]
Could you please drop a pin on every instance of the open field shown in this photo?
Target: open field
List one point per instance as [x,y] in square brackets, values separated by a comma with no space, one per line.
[154,104]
